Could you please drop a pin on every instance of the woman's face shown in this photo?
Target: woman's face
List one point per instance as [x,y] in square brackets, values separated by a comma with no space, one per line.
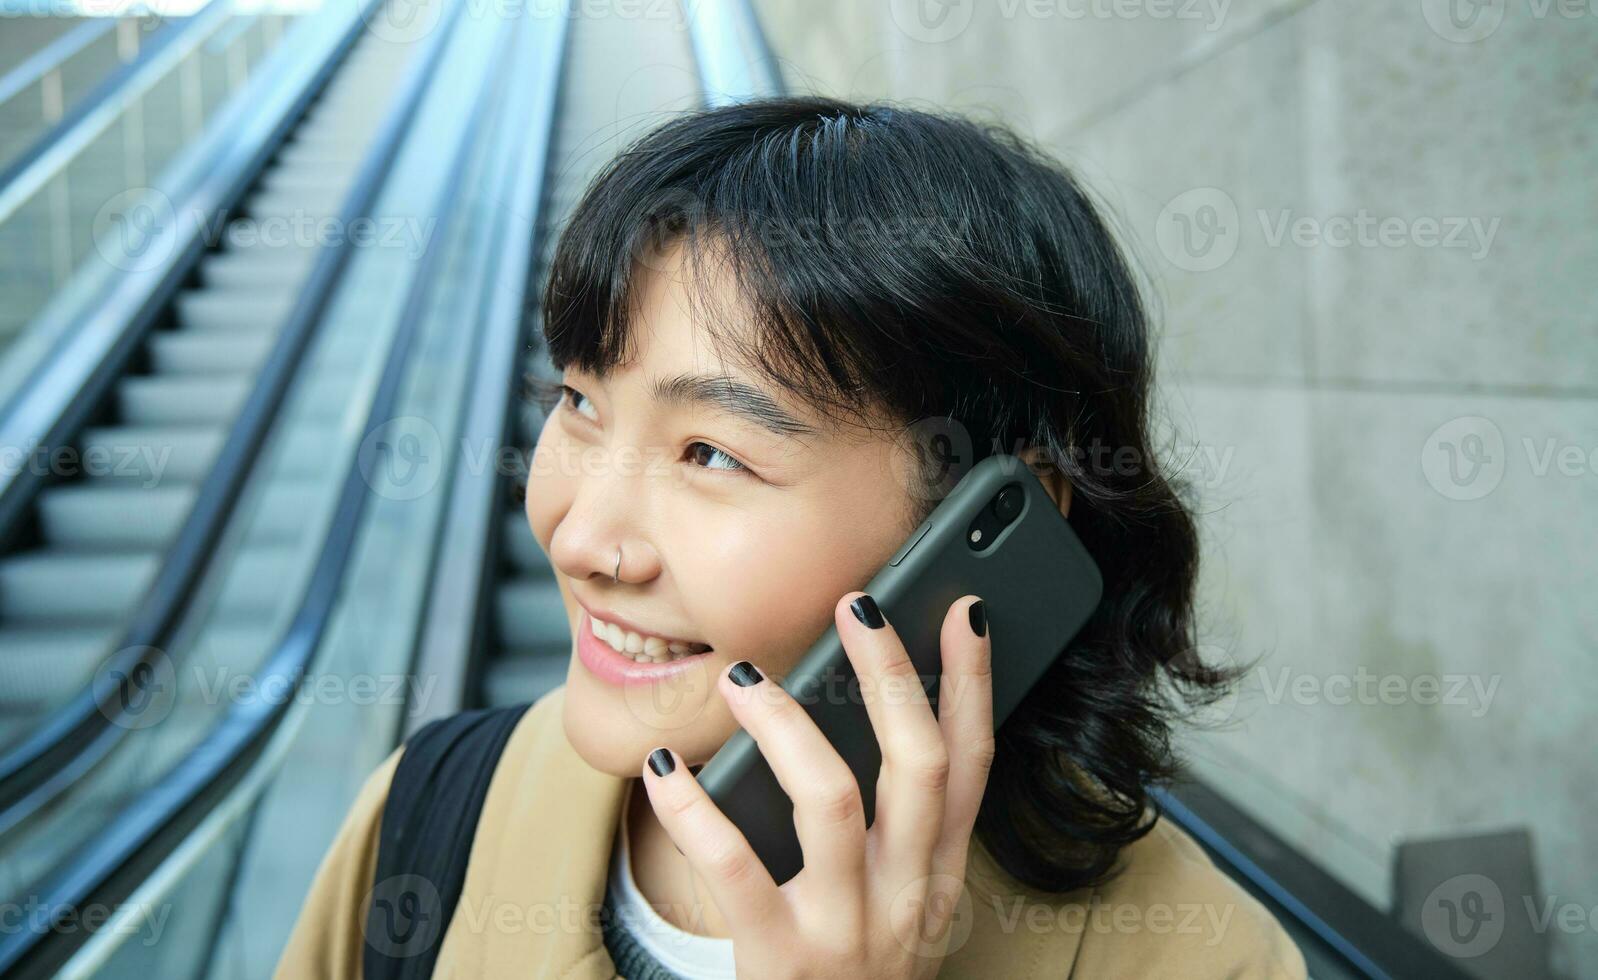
[731,534]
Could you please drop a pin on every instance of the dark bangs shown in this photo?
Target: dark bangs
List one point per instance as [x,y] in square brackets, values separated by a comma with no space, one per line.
[892,264]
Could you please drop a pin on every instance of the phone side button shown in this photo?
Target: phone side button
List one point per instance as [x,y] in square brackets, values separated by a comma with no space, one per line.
[911,542]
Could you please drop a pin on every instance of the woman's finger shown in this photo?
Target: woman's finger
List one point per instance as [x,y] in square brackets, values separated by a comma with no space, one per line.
[828,815]
[915,761]
[965,714]
[743,889]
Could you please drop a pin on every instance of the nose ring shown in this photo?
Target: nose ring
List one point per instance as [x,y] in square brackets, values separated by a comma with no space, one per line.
[616,576]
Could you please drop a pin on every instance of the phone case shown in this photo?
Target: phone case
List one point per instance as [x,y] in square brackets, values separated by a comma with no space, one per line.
[1039,586]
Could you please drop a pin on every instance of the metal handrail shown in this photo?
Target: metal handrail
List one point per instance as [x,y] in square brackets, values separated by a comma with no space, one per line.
[1343,927]
[730,49]
[455,606]
[211,768]
[86,121]
[80,733]
[50,57]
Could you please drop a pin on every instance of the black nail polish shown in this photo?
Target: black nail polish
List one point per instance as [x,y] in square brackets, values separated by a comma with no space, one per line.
[660,762]
[979,618]
[743,673]
[865,610]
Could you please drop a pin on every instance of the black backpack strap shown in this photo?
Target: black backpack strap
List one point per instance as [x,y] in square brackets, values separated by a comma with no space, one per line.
[429,819]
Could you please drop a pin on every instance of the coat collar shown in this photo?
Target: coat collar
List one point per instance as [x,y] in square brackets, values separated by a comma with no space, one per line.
[550,820]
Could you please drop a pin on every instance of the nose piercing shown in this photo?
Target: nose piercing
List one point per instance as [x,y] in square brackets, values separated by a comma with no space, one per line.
[616,575]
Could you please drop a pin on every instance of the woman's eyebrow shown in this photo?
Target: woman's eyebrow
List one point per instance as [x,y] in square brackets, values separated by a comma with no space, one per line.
[732,396]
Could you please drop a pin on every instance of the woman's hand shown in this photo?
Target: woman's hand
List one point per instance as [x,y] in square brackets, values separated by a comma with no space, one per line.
[874,902]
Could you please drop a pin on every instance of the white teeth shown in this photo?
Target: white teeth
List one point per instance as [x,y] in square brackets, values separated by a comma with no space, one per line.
[644,649]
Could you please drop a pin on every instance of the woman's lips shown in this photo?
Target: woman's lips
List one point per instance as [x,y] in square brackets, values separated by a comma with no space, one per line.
[606,664]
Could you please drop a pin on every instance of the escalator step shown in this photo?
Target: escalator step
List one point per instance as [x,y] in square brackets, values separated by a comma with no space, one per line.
[234,309]
[92,514]
[148,455]
[181,352]
[72,586]
[261,266]
[44,666]
[179,399]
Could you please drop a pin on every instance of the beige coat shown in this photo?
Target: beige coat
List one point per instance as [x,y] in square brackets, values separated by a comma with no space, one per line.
[537,876]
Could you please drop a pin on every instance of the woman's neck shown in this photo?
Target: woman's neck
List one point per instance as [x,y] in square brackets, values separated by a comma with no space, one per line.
[664,877]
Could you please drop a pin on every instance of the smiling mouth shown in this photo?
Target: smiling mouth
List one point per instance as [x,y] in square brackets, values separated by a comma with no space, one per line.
[644,648]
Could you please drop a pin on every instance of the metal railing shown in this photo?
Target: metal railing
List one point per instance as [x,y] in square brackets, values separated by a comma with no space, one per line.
[62,194]
[157,823]
[73,739]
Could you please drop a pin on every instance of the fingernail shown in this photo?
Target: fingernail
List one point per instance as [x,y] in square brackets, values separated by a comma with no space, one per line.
[661,762]
[979,618]
[865,610]
[743,673]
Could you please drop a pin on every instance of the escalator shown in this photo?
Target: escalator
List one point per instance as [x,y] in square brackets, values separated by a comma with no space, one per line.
[94,541]
[261,358]
[87,119]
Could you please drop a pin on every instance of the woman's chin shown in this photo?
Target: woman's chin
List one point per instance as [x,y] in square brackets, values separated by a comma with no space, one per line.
[615,728]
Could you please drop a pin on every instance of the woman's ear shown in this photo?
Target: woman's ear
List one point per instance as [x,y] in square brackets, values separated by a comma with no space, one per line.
[1049,475]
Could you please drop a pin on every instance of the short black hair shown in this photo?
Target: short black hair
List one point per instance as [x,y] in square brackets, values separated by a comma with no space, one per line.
[909,264]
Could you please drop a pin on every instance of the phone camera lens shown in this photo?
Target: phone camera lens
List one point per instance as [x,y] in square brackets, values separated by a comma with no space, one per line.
[1007,504]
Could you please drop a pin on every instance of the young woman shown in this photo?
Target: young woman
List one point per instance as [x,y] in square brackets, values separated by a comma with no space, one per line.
[777,322]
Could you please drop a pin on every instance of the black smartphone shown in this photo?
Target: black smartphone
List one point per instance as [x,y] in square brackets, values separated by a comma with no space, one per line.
[999,535]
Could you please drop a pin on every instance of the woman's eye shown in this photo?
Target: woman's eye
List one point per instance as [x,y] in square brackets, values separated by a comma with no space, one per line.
[702,450]
[570,395]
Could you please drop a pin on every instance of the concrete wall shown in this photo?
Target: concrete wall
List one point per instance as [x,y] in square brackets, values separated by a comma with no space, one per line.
[1370,229]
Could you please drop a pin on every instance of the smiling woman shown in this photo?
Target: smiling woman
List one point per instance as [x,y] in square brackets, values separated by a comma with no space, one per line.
[779,325]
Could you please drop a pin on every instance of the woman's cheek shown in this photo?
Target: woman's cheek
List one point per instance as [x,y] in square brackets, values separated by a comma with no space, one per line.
[549,489]
[770,596]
